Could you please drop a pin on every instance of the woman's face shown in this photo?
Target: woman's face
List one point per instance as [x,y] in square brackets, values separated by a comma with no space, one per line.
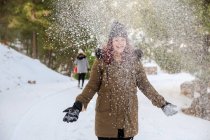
[119,44]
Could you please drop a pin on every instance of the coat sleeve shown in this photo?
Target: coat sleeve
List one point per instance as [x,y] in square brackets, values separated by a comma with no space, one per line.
[147,89]
[92,86]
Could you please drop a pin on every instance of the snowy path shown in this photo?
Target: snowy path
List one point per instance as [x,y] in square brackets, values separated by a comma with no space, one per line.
[42,120]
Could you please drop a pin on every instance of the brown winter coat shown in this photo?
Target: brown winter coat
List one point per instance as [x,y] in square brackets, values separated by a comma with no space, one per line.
[117,102]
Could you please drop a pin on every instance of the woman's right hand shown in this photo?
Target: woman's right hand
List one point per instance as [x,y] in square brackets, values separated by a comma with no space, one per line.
[71,115]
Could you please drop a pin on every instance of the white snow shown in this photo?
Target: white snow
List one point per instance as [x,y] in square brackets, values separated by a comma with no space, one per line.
[34,111]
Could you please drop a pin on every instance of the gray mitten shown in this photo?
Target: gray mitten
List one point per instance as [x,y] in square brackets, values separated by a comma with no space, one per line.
[169,109]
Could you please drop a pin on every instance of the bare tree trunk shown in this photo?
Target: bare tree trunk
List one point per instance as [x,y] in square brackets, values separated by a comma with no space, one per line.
[5,40]
[34,54]
[37,48]
[50,58]
[27,47]
[69,67]
[206,45]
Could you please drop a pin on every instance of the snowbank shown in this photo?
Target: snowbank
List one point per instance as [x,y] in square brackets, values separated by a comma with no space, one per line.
[16,69]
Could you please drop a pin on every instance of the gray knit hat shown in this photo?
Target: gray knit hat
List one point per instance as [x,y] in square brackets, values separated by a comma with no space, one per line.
[118,29]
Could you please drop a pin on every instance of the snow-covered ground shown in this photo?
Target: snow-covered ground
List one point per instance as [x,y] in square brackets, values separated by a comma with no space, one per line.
[34,111]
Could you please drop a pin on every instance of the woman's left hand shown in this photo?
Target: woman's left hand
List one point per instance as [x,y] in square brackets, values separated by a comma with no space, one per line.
[169,109]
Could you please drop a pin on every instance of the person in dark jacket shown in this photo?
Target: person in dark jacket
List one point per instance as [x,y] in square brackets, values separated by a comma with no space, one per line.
[115,76]
[82,67]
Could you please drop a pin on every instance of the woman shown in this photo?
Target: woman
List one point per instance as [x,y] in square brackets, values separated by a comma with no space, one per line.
[115,76]
[82,67]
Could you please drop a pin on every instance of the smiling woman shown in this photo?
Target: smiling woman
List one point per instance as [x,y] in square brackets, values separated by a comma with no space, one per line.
[119,44]
[115,76]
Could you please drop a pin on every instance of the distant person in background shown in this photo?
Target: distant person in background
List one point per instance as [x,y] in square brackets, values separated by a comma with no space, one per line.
[82,67]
